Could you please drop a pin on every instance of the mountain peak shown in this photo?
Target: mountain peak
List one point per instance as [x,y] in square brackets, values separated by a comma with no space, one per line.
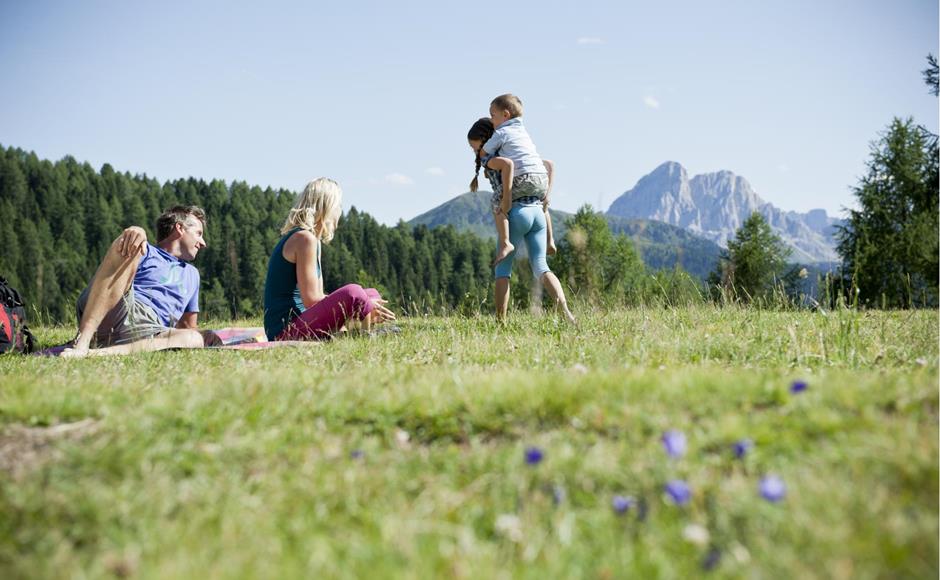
[715,205]
[671,168]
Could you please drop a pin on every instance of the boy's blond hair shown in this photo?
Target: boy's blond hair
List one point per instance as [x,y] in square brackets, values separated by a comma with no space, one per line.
[317,209]
[509,102]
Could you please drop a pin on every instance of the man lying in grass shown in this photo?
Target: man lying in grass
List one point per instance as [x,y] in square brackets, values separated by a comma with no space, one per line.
[144,297]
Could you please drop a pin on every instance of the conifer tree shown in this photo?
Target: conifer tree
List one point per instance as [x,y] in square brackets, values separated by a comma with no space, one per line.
[754,261]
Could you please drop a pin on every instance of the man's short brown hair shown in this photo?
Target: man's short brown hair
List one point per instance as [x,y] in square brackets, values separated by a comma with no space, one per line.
[178,214]
[510,103]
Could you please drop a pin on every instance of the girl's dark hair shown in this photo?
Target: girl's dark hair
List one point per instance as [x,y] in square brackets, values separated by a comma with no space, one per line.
[481,131]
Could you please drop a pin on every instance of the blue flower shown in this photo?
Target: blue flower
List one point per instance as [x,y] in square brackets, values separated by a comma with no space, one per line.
[533,455]
[674,443]
[798,386]
[356,454]
[772,488]
[622,503]
[679,491]
[742,447]
[712,558]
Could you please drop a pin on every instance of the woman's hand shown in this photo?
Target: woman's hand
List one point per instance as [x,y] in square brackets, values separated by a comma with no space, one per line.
[379,312]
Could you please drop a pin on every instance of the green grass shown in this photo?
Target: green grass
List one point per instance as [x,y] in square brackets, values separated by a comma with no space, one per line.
[237,464]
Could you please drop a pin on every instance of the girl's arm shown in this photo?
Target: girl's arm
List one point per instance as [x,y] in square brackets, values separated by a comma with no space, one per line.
[304,248]
[550,234]
[550,167]
[506,167]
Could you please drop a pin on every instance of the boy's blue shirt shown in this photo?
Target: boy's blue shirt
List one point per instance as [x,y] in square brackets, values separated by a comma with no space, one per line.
[512,141]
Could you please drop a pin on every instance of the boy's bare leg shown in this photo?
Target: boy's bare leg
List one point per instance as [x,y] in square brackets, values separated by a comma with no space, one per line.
[112,280]
[504,247]
[554,288]
[502,298]
[550,248]
[172,338]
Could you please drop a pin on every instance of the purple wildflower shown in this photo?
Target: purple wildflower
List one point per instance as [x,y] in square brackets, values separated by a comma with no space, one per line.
[356,454]
[622,503]
[711,560]
[798,386]
[679,491]
[558,494]
[742,447]
[533,455]
[772,488]
[641,510]
[674,443]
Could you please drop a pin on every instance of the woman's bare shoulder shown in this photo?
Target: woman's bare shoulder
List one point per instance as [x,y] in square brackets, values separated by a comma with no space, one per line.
[302,238]
[301,241]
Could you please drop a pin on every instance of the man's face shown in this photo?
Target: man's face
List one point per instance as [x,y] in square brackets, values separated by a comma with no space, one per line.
[498,116]
[191,240]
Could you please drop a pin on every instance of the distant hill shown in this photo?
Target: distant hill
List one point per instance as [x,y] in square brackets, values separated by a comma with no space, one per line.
[661,245]
[715,205]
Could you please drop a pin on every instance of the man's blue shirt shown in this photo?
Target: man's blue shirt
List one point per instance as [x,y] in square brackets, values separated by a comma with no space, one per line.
[167,284]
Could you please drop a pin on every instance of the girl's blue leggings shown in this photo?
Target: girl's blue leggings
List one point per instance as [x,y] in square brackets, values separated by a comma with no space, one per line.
[526,221]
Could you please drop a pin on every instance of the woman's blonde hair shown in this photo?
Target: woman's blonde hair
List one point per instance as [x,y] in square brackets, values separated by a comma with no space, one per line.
[317,209]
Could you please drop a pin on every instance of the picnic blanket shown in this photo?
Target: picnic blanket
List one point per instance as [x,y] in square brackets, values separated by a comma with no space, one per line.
[232,338]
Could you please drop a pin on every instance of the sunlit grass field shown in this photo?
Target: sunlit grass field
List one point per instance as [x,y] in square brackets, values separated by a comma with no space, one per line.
[406,456]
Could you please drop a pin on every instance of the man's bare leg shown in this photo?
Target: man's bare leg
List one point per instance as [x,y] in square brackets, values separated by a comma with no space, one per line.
[172,338]
[554,288]
[112,280]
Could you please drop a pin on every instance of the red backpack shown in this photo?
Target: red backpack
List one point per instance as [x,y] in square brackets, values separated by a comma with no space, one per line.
[14,334]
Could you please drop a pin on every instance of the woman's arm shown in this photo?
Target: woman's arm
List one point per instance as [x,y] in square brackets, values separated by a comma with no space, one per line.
[303,248]
[506,167]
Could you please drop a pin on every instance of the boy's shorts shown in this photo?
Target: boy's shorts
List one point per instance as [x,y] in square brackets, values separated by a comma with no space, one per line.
[128,321]
[527,185]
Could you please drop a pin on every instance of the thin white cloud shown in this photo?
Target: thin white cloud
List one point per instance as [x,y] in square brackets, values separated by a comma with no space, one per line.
[651,102]
[435,171]
[590,40]
[399,179]
[783,168]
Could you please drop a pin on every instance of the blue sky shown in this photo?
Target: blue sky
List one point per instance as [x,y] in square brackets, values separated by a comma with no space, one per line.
[380,95]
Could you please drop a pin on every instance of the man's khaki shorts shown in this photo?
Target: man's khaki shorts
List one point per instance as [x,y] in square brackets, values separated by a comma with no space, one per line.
[128,321]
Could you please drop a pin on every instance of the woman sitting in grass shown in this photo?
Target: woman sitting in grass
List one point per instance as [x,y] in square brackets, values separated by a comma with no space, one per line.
[295,306]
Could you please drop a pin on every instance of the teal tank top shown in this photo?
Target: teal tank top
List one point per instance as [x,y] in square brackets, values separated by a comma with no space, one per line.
[282,301]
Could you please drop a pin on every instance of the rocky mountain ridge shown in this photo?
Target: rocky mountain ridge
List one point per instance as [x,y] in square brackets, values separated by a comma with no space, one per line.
[715,205]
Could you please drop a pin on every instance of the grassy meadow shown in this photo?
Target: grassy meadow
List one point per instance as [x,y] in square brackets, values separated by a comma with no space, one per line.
[406,456]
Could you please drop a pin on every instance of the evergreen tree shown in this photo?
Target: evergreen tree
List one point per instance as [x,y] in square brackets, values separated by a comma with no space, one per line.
[889,246]
[596,264]
[754,262]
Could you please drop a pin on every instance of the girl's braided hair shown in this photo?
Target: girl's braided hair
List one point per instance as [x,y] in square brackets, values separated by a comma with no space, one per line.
[481,131]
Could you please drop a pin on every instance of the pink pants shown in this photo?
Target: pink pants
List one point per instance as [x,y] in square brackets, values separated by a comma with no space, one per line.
[330,314]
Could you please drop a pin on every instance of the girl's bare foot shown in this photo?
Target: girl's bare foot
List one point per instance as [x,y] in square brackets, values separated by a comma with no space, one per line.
[563,306]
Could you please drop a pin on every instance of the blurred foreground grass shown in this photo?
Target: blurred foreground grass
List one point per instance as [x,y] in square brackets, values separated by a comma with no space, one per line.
[404,455]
